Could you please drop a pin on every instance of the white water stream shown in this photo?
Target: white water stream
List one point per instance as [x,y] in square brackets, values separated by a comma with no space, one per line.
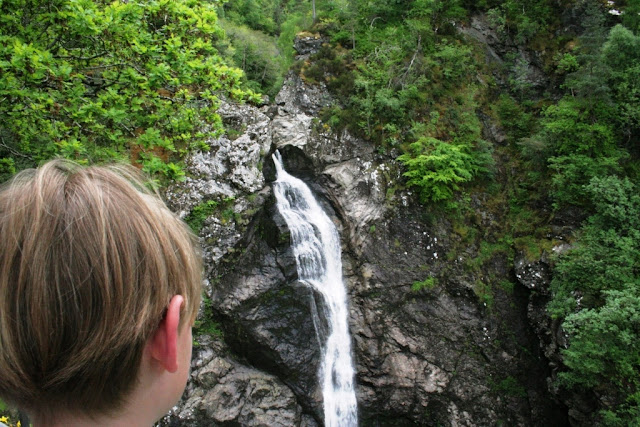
[316,245]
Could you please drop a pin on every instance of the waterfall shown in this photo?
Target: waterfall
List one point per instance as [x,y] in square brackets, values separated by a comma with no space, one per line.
[316,246]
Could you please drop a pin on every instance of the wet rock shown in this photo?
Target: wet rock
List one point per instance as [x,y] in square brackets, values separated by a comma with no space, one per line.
[533,274]
[268,314]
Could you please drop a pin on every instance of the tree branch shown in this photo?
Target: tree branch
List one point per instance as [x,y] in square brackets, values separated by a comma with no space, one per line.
[12,151]
[83,58]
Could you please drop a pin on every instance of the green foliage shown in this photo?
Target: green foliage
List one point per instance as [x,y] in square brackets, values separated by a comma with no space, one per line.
[520,19]
[204,210]
[199,214]
[437,168]
[568,63]
[428,283]
[331,66]
[616,203]
[573,172]
[154,165]
[532,247]
[605,342]
[484,292]
[489,250]
[573,128]
[205,324]
[621,54]
[260,36]
[595,288]
[296,20]
[589,80]
[578,140]
[7,168]
[507,286]
[261,15]
[408,82]
[605,351]
[510,386]
[631,15]
[588,134]
[608,251]
[96,81]
[258,56]
[517,122]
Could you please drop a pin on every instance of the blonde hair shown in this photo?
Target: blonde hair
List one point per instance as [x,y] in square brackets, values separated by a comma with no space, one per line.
[89,260]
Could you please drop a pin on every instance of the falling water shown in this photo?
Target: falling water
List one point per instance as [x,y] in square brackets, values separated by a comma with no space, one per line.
[316,246]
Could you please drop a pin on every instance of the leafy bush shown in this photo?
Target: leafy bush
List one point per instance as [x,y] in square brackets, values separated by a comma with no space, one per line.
[7,168]
[521,19]
[595,285]
[573,172]
[256,14]
[579,142]
[437,168]
[607,253]
[621,53]
[428,283]
[573,127]
[596,289]
[101,80]
[605,351]
[258,56]
[515,120]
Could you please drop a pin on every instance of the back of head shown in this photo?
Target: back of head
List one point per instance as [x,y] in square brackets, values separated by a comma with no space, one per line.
[89,260]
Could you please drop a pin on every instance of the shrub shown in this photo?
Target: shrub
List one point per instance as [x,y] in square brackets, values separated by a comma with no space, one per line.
[428,283]
[96,81]
[437,168]
[596,289]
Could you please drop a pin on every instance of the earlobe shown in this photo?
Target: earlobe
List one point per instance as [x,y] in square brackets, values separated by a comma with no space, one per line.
[163,345]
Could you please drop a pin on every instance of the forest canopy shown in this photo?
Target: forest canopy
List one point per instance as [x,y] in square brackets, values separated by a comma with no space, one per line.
[98,80]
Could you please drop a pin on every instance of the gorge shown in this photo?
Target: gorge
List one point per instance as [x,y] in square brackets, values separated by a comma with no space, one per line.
[479,161]
[459,350]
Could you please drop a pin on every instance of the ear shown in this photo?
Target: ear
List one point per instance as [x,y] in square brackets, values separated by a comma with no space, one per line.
[163,345]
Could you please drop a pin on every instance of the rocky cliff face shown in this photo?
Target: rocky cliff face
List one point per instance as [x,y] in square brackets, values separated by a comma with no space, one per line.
[432,345]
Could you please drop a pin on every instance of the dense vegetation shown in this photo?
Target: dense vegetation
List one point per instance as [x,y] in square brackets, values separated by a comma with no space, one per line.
[409,81]
[260,37]
[93,80]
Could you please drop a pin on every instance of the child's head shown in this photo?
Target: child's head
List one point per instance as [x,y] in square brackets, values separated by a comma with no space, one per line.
[89,263]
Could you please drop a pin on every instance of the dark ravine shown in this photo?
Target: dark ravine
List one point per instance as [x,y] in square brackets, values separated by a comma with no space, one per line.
[434,356]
